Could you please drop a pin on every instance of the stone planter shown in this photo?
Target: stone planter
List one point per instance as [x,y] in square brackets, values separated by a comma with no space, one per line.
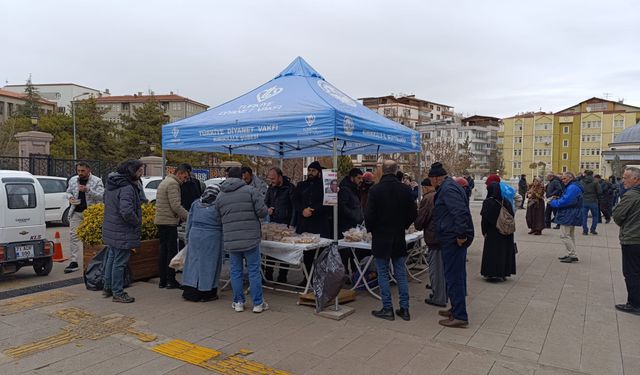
[143,262]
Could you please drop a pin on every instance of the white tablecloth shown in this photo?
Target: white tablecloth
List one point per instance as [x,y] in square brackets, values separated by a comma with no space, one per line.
[290,253]
[409,238]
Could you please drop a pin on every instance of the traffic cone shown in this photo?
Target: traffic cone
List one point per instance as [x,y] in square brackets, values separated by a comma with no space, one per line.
[57,249]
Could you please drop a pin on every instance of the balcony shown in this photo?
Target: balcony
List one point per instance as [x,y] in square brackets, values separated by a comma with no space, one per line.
[447,113]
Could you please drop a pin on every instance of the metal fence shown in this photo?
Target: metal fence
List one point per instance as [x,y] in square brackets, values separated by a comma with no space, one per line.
[46,165]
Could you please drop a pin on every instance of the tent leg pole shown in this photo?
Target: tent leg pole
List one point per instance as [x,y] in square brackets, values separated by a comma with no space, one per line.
[335,208]
[419,157]
[281,163]
[164,162]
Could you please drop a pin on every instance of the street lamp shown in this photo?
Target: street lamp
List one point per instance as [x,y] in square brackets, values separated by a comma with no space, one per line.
[34,122]
[75,154]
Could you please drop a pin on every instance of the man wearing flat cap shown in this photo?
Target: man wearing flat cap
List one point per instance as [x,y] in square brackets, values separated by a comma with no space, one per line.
[311,215]
[454,228]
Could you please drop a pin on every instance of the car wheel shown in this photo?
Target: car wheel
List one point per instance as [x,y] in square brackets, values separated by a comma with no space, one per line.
[65,217]
[43,267]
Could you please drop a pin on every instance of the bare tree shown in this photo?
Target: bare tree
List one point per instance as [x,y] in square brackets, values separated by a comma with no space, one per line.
[455,158]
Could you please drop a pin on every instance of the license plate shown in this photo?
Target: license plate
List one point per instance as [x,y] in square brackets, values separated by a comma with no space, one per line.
[24,251]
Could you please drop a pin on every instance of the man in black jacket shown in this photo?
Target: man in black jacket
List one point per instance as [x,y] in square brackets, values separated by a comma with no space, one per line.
[310,215]
[522,188]
[390,211]
[121,230]
[190,190]
[280,205]
[604,201]
[553,190]
[350,212]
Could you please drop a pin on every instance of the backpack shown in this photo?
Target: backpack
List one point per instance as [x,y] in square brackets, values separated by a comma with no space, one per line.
[506,224]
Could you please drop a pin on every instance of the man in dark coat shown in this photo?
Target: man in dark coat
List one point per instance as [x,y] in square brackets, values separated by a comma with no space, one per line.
[454,229]
[569,215]
[522,188]
[121,230]
[390,211]
[553,190]
[190,190]
[350,213]
[280,206]
[591,197]
[311,215]
[606,197]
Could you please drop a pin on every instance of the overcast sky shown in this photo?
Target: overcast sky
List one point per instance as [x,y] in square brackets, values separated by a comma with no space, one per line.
[493,58]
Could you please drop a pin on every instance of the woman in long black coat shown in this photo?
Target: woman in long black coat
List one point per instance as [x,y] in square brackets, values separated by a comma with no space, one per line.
[498,254]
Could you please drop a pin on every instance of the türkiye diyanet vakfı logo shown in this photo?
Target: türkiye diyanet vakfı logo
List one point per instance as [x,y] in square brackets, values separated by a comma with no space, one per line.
[335,93]
[310,119]
[262,104]
[348,126]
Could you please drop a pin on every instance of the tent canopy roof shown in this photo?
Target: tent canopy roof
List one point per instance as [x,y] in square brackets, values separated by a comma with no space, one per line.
[296,114]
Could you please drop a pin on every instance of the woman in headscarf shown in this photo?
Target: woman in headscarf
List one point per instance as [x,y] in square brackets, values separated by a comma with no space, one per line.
[498,254]
[535,207]
[205,249]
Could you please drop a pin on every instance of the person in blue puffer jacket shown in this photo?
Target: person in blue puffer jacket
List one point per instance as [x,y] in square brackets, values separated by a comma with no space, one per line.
[569,207]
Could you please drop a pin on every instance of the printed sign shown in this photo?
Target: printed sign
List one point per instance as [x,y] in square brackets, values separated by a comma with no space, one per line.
[330,187]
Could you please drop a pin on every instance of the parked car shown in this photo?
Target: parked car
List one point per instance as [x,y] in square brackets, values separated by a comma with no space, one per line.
[150,185]
[214,181]
[55,199]
[23,230]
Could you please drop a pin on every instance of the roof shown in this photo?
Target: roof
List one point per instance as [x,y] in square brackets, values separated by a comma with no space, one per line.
[479,117]
[529,114]
[598,100]
[629,135]
[21,96]
[55,84]
[145,98]
[406,98]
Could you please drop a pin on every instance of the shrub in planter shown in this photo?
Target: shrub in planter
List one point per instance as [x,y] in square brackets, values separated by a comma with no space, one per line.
[144,261]
[90,230]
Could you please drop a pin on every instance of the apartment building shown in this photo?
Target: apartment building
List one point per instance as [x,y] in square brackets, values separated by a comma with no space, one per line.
[175,107]
[568,140]
[480,131]
[10,103]
[408,110]
[62,94]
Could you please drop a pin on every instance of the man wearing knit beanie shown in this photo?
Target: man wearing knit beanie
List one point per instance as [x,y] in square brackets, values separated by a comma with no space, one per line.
[454,230]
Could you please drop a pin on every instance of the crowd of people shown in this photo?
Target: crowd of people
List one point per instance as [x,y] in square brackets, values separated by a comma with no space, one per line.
[227,218]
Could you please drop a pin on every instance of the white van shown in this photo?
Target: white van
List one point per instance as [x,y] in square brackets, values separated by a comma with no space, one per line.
[22,224]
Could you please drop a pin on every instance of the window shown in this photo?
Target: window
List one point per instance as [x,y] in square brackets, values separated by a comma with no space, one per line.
[543,126]
[431,115]
[590,151]
[519,127]
[565,156]
[517,152]
[596,107]
[406,112]
[437,117]
[543,139]
[565,143]
[565,130]
[153,184]
[431,106]
[517,164]
[21,196]
[564,168]
[591,138]
[618,123]
[176,106]
[125,107]
[590,165]
[517,140]
[52,185]
[591,124]
[542,152]
[2,108]
[438,108]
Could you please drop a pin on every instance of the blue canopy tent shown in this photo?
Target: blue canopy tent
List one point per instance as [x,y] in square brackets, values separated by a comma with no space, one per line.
[296,114]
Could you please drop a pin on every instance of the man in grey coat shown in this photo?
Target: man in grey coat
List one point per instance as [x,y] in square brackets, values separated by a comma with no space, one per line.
[241,207]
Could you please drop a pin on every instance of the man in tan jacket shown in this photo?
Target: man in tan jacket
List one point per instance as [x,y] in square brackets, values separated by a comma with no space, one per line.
[169,213]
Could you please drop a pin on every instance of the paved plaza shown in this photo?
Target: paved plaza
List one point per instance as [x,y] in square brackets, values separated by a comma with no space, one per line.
[551,318]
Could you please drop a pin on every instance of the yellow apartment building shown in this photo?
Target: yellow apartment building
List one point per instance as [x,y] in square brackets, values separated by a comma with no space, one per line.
[569,140]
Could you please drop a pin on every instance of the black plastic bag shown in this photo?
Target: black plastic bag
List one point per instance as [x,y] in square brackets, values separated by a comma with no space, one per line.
[328,276]
[94,273]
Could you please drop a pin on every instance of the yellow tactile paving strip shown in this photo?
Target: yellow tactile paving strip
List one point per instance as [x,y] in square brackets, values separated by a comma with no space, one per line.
[34,301]
[214,360]
[83,325]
